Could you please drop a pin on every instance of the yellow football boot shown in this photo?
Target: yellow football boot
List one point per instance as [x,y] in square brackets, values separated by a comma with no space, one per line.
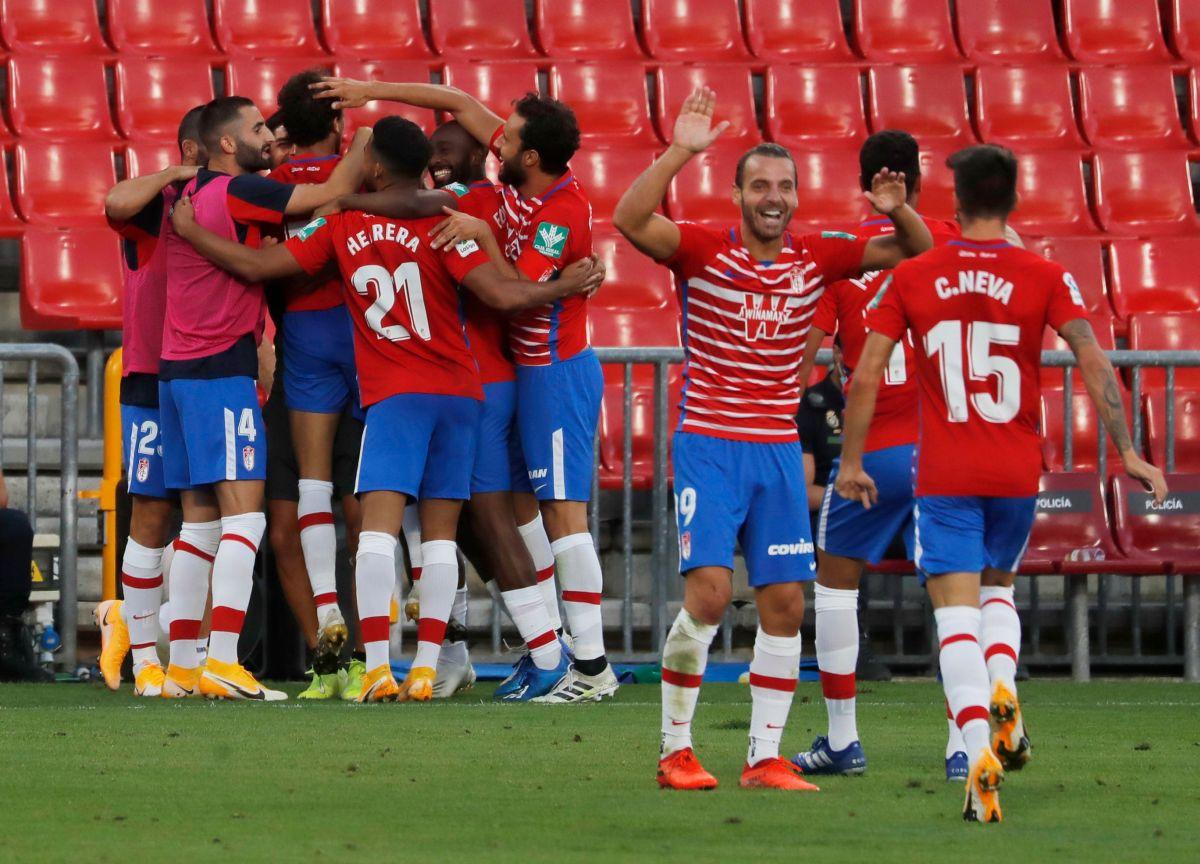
[1010,739]
[232,681]
[983,784]
[114,641]
[378,685]
[181,683]
[418,684]
[149,680]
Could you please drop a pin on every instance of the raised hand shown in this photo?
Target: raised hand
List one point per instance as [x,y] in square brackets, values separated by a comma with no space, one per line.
[693,127]
[345,92]
[888,191]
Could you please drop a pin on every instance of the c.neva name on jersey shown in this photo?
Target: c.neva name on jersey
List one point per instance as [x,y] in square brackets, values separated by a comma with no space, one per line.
[975,282]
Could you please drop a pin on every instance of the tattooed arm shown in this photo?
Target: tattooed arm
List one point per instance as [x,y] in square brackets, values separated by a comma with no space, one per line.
[1101,384]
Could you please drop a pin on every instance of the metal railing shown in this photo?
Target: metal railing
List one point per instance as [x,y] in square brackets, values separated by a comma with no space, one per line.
[33,355]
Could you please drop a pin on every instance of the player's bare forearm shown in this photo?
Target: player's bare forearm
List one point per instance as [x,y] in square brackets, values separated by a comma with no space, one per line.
[912,237]
[860,403]
[815,336]
[472,114]
[127,198]
[496,255]
[1100,381]
[635,215]
[400,203]
[514,294]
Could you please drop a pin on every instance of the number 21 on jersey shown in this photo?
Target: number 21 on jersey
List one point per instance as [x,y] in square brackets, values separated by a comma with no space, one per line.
[373,280]
[945,341]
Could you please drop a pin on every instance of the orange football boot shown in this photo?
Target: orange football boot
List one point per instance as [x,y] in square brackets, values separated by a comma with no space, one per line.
[378,685]
[682,770]
[777,773]
[114,641]
[418,685]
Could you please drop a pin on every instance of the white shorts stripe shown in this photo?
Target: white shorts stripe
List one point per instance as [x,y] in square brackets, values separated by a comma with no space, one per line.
[823,521]
[358,468]
[556,467]
[230,446]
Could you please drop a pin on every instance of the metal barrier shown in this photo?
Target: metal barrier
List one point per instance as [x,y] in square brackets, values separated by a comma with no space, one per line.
[68,473]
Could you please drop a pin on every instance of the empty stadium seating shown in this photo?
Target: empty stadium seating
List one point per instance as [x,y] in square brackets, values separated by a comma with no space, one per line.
[63,184]
[829,193]
[260,80]
[495,85]
[578,30]
[1027,107]
[1070,527]
[633,281]
[937,184]
[1185,30]
[609,100]
[735,99]
[1167,538]
[11,224]
[1052,377]
[701,191]
[814,107]
[140,27]
[280,28]
[1130,108]
[606,173]
[796,31]
[904,31]
[480,29]
[1084,427]
[1000,31]
[1145,193]
[70,279]
[1104,32]
[146,157]
[1157,275]
[374,29]
[928,101]
[1166,331]
[1187,429]
[693,30]
[386,70]
[59,97]
[153,93]
[1084,260]
[58,27]
[1052,197]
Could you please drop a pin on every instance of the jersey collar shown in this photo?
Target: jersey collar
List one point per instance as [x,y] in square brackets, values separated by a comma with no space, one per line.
[735,236]
[981,244]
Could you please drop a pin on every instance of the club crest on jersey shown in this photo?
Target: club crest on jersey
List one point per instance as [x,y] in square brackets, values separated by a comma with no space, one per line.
[685,545]
[309,229]
[764,314]
[143,469]
[248,457]
[550,239]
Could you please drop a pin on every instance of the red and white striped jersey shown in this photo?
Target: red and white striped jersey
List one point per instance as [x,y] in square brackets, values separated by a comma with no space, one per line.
[745,324]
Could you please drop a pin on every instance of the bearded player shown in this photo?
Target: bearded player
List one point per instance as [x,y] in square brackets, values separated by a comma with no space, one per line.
[977,308]
[747,295]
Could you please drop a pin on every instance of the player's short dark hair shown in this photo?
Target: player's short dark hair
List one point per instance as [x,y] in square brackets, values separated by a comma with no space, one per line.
[218,114]
[550,128]
[308,120]
[768,149]
[275,121]
[893,149]
[401,145]
[985,181]
[189,126]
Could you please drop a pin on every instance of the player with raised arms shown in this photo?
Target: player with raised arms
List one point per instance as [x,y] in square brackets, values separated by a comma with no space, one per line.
[747,295]
[977,308]
[419,381]
[212,429]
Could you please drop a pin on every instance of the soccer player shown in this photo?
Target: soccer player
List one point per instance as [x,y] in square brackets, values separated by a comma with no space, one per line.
[976,308]
[137,209]
[418,379]
[747,295]
[559,382]
[849,535]
[212,429]
[281,148]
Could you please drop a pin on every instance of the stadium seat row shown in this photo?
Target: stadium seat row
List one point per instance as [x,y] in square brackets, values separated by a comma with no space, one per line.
[809,31]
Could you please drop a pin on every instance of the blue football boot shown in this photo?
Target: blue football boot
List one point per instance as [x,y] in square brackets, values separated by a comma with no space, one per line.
[538,682]
[820,759]
[957,767]
[515,678]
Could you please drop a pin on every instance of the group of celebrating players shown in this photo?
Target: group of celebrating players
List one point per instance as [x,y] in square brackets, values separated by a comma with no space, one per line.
[400,388]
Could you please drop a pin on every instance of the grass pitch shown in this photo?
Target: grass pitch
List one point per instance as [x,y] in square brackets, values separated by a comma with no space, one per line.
[90,775]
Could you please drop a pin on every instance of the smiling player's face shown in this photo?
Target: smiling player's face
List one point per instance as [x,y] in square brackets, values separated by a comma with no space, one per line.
[767,196]
[252,140]
[455,156]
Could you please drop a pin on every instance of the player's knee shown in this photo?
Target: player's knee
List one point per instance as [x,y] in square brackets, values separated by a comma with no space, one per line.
[708,596]
[150,521]
[282,535]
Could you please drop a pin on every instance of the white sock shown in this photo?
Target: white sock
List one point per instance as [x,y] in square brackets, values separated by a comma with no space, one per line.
[458,612]
[538,544]
[528,612]
[685,656]
[774,671]
[837,657]
[964,674]
[191,568]
[412,539]
[578,566]
[439,581]
[954,738]
[374,580]
[142,583]
[233,581]
[318,540]
[1000,634]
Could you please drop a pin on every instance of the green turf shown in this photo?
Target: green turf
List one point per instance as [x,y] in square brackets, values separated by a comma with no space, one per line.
[94,776]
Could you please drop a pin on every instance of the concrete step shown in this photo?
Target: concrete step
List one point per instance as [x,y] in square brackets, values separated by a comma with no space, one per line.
[48,451]
[47,413]
[48,490]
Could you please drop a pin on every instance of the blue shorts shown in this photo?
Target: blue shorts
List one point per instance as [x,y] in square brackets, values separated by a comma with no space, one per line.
[558,409]
[848,529]
[212,430]
[319,373]
[143,451]
[731,492]
[499,465]
[419,444]
[968,533]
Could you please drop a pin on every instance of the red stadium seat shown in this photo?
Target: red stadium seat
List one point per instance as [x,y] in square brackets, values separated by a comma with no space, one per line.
[579,30]
[1084,425]
[1000,31]
[735,100]
[1070,527]
[1155,275]
[153,94]
[496,85]
[1194,103]
[701,191]
[815,107]
[1166,535]
[829,193]
[1187,429]
[904,31]
[797,31]
[1145,193]
[937,185]
[11,225]
[609,100]
[280,28]
[375,29]
[1100,32]
[1052,198]
[178,28]
[1166,331]
[1084,259]
[59,97]
[386,70]
[633,281]
[693,30]
[146,157]
[928,101]
[260,80]
[1131,108]
[58,27]
[606,173]
[71,280]
[1185,30]
[480,29]
[63,184]
[1026,106]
